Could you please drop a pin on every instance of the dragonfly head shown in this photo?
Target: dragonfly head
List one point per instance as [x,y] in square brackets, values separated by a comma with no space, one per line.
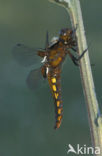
[66,35]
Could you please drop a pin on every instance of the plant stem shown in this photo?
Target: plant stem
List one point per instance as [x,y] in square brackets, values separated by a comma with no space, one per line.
[95,119]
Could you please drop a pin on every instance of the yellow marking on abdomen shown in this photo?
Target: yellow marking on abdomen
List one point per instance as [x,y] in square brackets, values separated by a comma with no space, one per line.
[53,80]
[54,88]
[59,118]
[59,111]
[56,95]
[58,103]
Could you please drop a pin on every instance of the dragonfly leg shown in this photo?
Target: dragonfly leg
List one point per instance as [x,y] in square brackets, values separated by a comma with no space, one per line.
[74,31]
[74,59]
[82,54]
[74,49]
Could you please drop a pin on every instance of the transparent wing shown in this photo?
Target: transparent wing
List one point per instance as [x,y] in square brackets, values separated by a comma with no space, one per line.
[35,80]
[26,56]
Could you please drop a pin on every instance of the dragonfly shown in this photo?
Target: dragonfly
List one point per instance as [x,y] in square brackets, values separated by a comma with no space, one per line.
[50,68]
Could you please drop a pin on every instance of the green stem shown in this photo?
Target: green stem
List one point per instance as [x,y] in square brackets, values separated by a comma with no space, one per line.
[95,120]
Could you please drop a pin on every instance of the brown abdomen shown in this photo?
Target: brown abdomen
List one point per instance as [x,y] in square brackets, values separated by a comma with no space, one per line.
[55,85]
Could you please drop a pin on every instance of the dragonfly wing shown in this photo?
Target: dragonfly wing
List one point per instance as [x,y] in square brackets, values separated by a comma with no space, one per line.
[26,56]
[53,42]
[35,79]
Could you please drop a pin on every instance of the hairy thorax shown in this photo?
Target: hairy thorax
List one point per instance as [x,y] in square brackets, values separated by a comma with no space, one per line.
[56,56]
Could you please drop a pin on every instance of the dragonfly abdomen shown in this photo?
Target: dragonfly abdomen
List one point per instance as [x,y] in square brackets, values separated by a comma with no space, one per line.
[55,85]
